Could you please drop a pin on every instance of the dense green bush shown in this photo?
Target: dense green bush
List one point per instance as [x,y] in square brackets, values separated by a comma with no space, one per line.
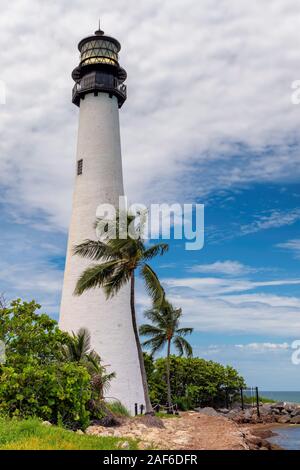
[35,381]
[54,392]
[194,381]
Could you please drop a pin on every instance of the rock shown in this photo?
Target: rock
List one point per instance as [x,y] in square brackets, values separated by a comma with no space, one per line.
[144,445]
[253,440]
[124,445]
[46,423]
[232,414]
[208,411]
[279,405]
[95,430]
[263,433]
[224,411]
[283,419]
[79,431]
[253,447]
[295,420]
[295,412]
[236,406]
[264,411]
[247,415]
[265,445]
[266,407]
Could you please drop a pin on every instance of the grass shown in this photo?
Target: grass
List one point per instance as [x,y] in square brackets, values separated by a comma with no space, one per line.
[118,409]
[252,400]
[165,415]
[31,434]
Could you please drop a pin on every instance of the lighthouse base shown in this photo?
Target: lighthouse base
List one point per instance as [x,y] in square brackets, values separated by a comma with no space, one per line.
[112,337]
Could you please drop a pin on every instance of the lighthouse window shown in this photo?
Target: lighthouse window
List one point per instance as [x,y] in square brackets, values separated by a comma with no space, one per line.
[79,167]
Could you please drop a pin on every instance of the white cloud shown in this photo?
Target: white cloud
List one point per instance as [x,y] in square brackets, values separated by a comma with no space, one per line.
[273,220]
[231,268]
[263,347]
[264,299]
[208,307]
[208,85]
[292,245]
[208,286]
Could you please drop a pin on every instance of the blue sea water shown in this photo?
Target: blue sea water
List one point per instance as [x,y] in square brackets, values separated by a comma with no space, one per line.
[292,397]
[288,438]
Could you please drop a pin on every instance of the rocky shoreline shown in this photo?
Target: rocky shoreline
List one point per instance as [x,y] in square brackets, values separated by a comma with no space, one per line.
[205,428]
[281,412]
[256,429]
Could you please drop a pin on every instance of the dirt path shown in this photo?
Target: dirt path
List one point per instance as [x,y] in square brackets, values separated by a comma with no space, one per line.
[190,431]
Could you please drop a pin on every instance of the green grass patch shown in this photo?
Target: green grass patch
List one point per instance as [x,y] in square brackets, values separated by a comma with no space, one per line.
[162,415]
[117,408]
[252,400]
[31,434]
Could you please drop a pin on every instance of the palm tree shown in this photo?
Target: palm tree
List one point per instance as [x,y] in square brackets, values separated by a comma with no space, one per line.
[119,258]
[78,349]
[165,331]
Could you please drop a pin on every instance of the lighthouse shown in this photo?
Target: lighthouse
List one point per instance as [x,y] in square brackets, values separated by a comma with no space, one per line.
[99,92]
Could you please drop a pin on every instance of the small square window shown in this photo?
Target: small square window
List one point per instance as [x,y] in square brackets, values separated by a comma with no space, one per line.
[79,167]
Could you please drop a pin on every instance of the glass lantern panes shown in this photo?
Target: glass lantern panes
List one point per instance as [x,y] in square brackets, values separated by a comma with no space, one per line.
[99,51]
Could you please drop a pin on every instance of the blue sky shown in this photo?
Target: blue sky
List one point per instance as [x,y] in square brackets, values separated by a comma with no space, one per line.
[208,119]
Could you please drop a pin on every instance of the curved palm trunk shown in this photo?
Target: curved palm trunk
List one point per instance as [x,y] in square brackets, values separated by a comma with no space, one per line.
[168,376]
[149,409]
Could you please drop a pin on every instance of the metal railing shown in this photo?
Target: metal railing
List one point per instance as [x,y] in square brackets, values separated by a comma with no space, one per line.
[91,83]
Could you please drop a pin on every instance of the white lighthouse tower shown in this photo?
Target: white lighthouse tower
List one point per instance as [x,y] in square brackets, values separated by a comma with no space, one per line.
[99,92]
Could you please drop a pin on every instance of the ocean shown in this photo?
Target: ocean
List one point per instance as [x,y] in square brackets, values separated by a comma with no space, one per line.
[287,437]
[293,397]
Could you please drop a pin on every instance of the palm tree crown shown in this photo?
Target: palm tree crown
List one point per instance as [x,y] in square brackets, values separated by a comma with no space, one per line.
[119,257]
[165,330]
[165,327]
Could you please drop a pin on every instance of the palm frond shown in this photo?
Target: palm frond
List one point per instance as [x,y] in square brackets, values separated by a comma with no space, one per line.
[183,346]
[95,276]
[154,315]
[184,331]
[150,330]
[155,344]
[95,250]
[83,341]
[155,250]
[117,281]
[153,286]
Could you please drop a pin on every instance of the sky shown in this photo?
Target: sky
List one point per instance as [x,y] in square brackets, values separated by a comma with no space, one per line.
[209,119]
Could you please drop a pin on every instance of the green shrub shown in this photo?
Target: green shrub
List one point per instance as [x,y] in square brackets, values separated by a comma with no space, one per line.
[54,392]
[34,381]
[194,381]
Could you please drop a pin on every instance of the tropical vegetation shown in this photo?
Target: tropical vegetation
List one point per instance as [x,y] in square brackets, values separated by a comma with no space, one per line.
[194,381]
[46,372]
[163,332]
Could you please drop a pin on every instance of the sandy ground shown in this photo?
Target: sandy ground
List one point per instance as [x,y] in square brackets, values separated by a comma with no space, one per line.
[190,431]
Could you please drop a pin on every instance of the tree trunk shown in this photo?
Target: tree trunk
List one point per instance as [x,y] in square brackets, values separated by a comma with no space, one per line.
[168,376]
[149,409]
